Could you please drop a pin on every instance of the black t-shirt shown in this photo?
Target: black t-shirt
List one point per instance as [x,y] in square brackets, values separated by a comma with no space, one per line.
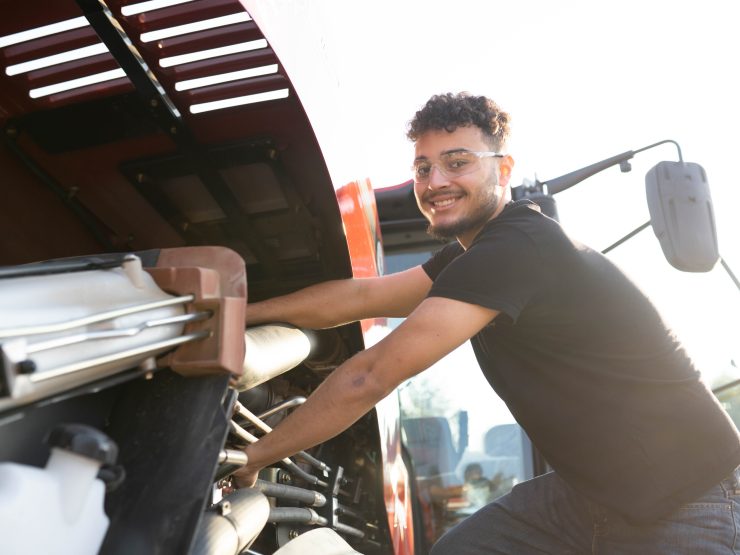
[588,367]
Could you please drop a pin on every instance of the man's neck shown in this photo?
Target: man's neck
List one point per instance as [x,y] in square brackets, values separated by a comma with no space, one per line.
[467,238]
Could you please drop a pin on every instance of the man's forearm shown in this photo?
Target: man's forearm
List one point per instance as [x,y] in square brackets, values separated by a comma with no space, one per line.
[341,400]
[358,384]
[315,307]
[337,302]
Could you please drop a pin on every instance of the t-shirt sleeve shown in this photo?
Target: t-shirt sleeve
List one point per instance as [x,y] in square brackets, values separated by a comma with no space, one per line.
[441,259]
[502,270]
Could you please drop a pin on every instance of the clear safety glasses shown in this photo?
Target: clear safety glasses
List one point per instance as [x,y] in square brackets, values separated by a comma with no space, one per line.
[451,164]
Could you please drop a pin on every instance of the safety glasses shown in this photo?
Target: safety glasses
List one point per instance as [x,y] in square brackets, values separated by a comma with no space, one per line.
[451,164]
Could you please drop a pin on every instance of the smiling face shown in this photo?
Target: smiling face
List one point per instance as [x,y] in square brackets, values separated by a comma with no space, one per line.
[459,207]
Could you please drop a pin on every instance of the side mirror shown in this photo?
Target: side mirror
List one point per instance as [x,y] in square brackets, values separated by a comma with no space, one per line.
[682,216]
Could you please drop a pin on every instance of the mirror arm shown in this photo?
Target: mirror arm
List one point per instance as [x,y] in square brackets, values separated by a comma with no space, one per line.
[627,237]
[566,181]
[637,230]
[678,147]
[733,277]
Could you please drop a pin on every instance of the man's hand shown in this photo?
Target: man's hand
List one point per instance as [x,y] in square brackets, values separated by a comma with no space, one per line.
[435,328]
[245,477]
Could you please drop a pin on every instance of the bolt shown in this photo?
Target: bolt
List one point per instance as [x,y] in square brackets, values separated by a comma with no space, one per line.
[148,365]
[293,534]
[27,366]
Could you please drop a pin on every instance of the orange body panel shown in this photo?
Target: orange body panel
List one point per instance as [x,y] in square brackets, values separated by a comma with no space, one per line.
[362,229]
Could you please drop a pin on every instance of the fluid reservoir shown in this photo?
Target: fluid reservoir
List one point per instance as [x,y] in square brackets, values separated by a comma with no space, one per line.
[59,508]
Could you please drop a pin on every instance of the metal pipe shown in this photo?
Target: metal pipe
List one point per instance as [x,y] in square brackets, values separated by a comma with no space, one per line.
[242,433]
[292,467]
[117,357]
[233,525]
[271,351]
[232,456]
[285,405]
[249,415]
[254,419]
[94,318]
[115,333]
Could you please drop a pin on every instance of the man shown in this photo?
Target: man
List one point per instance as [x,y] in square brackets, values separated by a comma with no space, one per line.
[644,458]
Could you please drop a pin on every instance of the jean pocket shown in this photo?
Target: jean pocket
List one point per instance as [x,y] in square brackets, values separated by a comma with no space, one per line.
[708,509]
[706,527]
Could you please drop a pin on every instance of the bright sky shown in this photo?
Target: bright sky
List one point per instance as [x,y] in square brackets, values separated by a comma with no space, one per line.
[583,81]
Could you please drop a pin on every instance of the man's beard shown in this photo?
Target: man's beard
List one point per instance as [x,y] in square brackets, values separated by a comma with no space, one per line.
[486,204]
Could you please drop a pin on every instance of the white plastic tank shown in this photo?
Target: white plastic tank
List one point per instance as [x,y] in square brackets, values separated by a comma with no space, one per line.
[59,508]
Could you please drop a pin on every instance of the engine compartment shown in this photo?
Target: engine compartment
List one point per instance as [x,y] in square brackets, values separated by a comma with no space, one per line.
[179,425]
[131,166]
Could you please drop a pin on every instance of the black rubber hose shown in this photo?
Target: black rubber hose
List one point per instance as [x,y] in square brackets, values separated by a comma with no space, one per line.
[296,515]
[282,491]
[313,461]
[296,470]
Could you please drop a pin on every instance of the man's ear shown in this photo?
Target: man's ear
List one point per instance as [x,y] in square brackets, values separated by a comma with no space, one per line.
[505,166]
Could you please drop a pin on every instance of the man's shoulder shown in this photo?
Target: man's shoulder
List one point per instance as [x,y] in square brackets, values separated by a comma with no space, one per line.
[442,258]
[524,212]
[521,219]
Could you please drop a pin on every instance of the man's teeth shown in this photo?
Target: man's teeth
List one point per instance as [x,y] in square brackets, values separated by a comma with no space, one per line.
[442,203]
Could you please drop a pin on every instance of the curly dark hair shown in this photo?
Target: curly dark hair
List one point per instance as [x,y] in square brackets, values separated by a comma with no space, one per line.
[450,111]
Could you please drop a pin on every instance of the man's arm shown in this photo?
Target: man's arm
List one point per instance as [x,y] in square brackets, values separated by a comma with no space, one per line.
[337,302]
[434,329]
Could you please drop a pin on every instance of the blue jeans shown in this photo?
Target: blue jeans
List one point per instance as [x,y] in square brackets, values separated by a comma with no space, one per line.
[546,516]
